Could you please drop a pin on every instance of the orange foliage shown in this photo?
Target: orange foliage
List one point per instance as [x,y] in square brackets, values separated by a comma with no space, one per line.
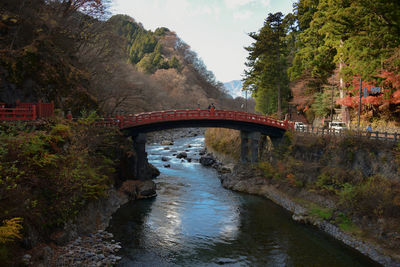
[396,97]
[346,101]
[391,79]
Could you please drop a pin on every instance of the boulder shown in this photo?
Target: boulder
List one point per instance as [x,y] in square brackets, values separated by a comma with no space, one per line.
[207,160]
[146,189]
[136,189]
[181,155]
[165,159]
[151,172]
[167,143]
[167,166]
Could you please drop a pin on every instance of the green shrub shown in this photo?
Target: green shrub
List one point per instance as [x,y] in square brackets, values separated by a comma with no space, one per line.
[323,213]
[375,197]
[346,224]
[267,169]
[48,182]
[61,130]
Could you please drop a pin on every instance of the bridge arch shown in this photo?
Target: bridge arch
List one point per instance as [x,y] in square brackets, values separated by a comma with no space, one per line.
[133,125]
[251,127]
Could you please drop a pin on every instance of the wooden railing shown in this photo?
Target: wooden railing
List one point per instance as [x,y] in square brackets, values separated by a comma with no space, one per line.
[17,114]
[26,111]
[386,136]
[195,114]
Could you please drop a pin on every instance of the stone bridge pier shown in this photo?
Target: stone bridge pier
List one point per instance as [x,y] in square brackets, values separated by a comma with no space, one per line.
[249,145]
[249,150]
[139,145]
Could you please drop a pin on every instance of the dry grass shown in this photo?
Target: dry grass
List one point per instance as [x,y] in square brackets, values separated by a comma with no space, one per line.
[225,141]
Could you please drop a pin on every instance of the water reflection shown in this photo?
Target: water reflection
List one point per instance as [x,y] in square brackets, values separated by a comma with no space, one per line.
[193,221]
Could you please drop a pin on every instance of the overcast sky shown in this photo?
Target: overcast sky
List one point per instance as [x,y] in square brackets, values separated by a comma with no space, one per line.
[215,29]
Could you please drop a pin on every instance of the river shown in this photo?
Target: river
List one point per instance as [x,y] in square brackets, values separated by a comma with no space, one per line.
[194,221]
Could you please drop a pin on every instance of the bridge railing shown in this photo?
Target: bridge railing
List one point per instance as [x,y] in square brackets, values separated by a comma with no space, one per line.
[17,114]
[26,111]
[185,114]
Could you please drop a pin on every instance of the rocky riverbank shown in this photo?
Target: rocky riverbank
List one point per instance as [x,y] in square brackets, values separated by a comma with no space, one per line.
[244,178]
[93,250]
[85,242]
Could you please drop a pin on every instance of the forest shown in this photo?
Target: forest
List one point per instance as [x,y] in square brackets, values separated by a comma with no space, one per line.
[78,55]
[94,64]
[311,61]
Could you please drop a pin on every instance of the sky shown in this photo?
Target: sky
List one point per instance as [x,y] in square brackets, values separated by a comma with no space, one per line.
[217,30]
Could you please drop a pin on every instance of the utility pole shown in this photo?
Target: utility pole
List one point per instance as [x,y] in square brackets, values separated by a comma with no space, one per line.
[359,106]
[332,103]
[246,100]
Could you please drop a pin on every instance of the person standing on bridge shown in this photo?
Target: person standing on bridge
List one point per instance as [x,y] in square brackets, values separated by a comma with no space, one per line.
[211,108]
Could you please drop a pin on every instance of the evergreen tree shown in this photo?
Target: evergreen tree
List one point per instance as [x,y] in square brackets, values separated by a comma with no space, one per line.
[267,65]
[313,58]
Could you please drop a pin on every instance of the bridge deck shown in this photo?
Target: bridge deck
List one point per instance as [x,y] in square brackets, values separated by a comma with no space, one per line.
[129,121]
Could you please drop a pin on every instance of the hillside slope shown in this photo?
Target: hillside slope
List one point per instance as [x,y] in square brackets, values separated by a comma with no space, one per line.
[114,65]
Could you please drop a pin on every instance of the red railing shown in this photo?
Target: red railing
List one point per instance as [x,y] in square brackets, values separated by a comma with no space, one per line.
[175,115]
[17,114]
[26,111]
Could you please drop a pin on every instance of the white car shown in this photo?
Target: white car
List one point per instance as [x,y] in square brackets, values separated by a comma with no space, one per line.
[299,126]
[338,126]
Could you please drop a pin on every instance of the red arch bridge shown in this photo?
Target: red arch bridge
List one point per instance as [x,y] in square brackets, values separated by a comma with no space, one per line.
[251,126]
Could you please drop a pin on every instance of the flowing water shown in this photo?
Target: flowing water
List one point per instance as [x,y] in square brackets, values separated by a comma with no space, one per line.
[194,221]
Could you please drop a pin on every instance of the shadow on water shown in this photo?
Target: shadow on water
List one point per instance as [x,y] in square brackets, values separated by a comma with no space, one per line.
[193,221]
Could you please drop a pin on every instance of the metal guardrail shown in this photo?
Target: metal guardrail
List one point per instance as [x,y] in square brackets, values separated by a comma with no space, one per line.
[385,136]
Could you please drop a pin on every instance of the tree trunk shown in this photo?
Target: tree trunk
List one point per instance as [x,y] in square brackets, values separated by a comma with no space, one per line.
[279,100]
[279,113]
[344,110]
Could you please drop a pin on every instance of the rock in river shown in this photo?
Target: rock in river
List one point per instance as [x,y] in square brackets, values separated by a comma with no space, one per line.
[207,160]
[167,143]
[182,155]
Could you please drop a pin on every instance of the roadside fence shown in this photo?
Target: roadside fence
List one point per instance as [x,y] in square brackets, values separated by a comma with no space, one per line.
[385,136]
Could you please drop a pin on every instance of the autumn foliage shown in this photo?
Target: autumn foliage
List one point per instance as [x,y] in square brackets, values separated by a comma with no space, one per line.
[11,230]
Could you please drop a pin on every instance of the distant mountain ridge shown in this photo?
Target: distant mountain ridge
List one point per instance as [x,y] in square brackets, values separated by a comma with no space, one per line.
[234,88]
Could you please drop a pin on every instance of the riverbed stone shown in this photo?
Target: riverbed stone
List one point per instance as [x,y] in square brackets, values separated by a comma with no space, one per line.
[181,155]
[146,189]
[167,143]
[165,158]
[207,160]
[94,250]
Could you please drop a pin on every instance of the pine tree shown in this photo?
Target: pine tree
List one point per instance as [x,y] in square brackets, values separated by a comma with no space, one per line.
[267,65]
